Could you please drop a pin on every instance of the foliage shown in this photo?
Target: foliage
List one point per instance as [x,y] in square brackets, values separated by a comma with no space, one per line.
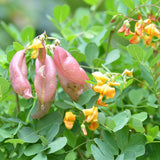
[127,118]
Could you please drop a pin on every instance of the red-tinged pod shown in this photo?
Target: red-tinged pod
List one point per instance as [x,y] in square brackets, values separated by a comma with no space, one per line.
[42,109]
[45,80]
[68,67]
[42,54]
[18,75]
[74,90]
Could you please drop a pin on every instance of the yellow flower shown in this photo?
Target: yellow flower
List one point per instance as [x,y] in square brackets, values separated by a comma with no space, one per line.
[93,126]
[105,89]
[69,119]
[152,30]
[100,78]
[128,73]
[35,46]
[91,114]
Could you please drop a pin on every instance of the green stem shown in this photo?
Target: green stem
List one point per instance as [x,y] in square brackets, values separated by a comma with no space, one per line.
[17,101]
[109,41]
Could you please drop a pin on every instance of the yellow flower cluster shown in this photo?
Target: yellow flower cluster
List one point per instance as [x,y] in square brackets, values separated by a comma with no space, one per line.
[104,87]
[144,29]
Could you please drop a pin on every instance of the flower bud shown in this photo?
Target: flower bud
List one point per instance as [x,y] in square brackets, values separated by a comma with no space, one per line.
[113,19]
[18,75]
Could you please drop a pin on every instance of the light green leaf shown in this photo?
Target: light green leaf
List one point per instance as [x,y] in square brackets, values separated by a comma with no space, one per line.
[33,149]
[4,86]
[71,139]
[91,52]
[112,56]
[78,56]
[71,156]
[56,145]
[147,75]
[136,52]
[97,154]
[121,119]
[84,22]
[153,131]
[62,104]
[97,62]
[17,46]
[40,156]
[110,123]
[85,96]
[28,135]
[27,34]
[155,60]
[61,13]
[129,4]
[140,116]
[14,141]
[91,2]
[135,96]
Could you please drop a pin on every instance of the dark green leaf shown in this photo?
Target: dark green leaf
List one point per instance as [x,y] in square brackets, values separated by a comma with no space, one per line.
[71,139]
[33,149]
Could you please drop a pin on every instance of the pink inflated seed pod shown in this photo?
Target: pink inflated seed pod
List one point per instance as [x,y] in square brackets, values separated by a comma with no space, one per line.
[71,76]
[45,85]
[18,75]
[68,67]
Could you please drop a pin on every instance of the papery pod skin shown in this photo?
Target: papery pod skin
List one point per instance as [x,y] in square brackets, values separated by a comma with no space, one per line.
[45,85]
[68,67]
[18,75]
[74,90]
[42,54]
[45,80]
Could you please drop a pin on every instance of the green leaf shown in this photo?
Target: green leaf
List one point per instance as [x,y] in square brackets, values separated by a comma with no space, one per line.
[148,55]
[112,56]
[17,46]
[91,2]
[147,75]
[62,104]
[97,154]
[56,145]
[78,56]
[155,60]
[14,141]
[135,96]
[61,13]
[85,96]
[122,138]
[28,34]
[33,149]
[129,3]
[53,131]
[153,151]
[136,124]
[140,116]
[84,22]
[10,53]
[12,30]
[71,139]
[4,86]
[46,122]
[28,135]
[121,119]
[91,52]
[101,118]
[153,131]
[40,156]
[136,52]
[136,144]
[97,62]
[71,156]
[110,123]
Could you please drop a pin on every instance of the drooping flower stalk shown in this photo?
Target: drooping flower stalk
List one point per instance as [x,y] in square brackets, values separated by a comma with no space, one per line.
[18,75]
